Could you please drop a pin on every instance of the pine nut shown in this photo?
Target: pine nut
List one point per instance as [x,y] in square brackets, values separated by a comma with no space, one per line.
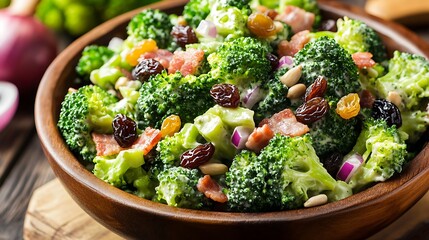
[213,168]
[279,26]
[296,91]
[292,76]
[395,98]
[316,201]
[122,81]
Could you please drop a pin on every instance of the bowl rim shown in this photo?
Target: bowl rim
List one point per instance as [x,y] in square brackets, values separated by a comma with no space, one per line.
[54,145]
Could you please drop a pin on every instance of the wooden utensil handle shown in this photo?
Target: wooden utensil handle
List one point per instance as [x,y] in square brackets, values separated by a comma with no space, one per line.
[409,11]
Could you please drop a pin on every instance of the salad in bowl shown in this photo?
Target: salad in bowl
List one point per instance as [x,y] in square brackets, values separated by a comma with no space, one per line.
[245,106]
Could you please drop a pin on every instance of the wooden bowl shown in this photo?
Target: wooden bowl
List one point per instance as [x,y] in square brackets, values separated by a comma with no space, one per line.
[356,217]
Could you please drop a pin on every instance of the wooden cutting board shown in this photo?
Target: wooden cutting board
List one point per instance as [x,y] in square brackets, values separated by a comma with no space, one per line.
[53,214]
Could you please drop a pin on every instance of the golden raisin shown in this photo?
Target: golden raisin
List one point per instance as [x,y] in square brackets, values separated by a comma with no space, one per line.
[170,125]
[147,45]
[261,25]
[348,106]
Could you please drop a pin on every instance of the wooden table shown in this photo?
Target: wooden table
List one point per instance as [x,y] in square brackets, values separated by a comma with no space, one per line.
[23,168]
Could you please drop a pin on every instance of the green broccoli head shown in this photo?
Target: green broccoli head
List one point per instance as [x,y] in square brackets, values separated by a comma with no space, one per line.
[408,74]
[151,24]
[217,125]
[140,183]
[355,36]
[230,18]
[296,173]
[163,95]
[241,62]
[414,124]
[247,186]
[93,57]
[178,187]
[325,57]
[383,150]
[171,147]
[195,11]
[275,98]
[82,112]
[333,133]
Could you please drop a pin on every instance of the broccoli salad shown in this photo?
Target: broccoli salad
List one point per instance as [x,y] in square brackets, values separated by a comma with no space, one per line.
[246,106]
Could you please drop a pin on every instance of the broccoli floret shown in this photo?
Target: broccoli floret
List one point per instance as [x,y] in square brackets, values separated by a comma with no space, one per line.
[230,20]
[151,24]
[355,36]
[163,95]
[275,98]
[325,57]
[107,75]
[408,75]
[333,133]
[296,172]
[140,183]
[170,148]
[195,11]
[217,125]
[82,112]
[285,34]
[383,150]
[241,62]
[285,174]
[368,77]
[93,57]
[178,187]
[247,187]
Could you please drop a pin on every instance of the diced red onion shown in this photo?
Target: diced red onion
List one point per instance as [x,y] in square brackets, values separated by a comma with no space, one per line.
[239,136]
[115,43]
[285,61]
[349,167]
[207,29]
[252,96]
[8,103]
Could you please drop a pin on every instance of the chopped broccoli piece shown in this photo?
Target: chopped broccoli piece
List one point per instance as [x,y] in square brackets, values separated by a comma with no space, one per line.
[151,24]
[241,62]
[355,36]
[163,95]
[383,150]
[178,187]
[107,75]
[143,185]
[325,57]
[217,126]
[414,124]
[93,57]
[82,112]
[275,98]
[285,174]
[333,133]
[112,169]
[195,11]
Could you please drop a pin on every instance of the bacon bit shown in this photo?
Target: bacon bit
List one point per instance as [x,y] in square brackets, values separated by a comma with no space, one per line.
[186,62]
[211,189]
[161,55]
[296,43]
[363,59]
[297,18]
[106,144]
[259,138]
[285,123]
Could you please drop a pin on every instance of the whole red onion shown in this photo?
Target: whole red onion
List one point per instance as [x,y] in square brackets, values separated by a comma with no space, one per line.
[27,47]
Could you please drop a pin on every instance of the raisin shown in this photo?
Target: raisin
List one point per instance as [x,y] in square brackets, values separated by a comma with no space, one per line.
[225,95]
[261,25]
[348,106]
[197,156]
[383,109]
[317,89]
[328,25]
[274,61]
[124,130]
[183,35]
[147,68]
[170,125]
[366,99]
[332,163]
[312,110]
